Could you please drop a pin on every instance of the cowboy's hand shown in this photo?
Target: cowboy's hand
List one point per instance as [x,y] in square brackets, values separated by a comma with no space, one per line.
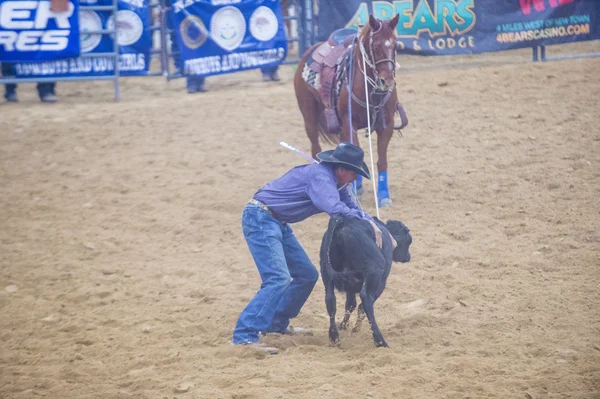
[394,242]
[378,239]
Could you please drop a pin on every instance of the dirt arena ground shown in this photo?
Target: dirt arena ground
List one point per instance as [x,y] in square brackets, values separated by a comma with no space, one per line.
[123,267]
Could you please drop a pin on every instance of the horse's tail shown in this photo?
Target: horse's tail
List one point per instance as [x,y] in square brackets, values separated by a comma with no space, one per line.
[330,138]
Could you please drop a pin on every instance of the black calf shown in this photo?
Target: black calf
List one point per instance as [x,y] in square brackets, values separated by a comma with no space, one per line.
[352,263]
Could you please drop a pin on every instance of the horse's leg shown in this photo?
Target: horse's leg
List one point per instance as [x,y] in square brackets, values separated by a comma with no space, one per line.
[311,124]
[309,107]
[383,140]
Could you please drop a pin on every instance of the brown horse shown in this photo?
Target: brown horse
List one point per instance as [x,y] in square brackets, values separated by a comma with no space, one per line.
[321,84]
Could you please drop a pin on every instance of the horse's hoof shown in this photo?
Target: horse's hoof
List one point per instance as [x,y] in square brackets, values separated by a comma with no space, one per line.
[385,202]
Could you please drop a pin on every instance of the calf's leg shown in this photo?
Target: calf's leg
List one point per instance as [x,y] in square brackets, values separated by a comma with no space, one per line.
[360,313]
[330,303]
[368,301]
[350,306]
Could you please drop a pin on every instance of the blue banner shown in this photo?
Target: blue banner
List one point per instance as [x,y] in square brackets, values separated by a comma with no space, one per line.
[224,36]
[30,31]
[443,27]
[134,38]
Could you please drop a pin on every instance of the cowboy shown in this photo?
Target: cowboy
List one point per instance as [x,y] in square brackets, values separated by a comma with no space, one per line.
[287,274]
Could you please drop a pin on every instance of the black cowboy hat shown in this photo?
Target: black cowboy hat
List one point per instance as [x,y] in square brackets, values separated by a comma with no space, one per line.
[347,156]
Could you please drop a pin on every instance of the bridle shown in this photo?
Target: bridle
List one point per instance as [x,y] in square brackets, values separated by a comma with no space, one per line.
[372,63]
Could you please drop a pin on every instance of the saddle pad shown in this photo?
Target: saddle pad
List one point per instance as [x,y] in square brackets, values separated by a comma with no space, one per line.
[312,72]
[312,78]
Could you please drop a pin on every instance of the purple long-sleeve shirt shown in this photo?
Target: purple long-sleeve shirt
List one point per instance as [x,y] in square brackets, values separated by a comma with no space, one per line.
[305,191]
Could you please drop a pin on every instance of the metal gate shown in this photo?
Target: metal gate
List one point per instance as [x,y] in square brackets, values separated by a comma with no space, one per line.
[301,19]
[114,8]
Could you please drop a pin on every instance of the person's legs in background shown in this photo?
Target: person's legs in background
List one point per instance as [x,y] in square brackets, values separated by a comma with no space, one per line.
[46,92]
[270,74]
[195,84]
[10,90]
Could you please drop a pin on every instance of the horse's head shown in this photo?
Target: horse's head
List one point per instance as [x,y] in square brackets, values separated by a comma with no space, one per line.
[378,47]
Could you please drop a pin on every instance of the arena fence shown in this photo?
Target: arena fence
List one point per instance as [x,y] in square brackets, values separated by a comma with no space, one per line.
[114,55]
[302,33]
[542,56]
[301,16]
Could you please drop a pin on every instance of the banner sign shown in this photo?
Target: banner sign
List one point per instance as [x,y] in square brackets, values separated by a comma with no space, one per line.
[134,38]
[224,36]
[443,27]
[30,31]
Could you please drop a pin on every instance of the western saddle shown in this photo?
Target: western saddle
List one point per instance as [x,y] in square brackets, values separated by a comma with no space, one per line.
[327,60]
[331,62]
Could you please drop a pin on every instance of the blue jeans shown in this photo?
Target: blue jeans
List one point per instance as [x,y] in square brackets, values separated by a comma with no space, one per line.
[11,88]
[287,274]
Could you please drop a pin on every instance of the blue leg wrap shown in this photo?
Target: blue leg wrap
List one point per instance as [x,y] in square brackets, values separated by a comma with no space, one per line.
[358,185]
[383,193]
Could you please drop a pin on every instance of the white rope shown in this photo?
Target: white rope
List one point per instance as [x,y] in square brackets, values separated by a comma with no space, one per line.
[297,151]
[370,143]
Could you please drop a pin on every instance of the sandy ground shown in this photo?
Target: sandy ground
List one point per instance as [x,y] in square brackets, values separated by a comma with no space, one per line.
[123,267]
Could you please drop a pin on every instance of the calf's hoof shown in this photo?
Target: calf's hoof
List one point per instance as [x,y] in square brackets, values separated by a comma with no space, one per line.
[334,336]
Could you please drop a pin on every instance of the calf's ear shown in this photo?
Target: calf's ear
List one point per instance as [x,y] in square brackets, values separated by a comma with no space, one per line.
[394,227]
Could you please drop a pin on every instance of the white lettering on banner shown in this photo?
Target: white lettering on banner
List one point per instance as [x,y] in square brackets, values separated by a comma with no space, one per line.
[179,5]
[132,62]
[55,40]
[135,3]
[224,2]
[202,66]
[233,62]
[18,15]
[14,14]
[102,64]
[80,65]
[75,66]
[8,39]
[27,40]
